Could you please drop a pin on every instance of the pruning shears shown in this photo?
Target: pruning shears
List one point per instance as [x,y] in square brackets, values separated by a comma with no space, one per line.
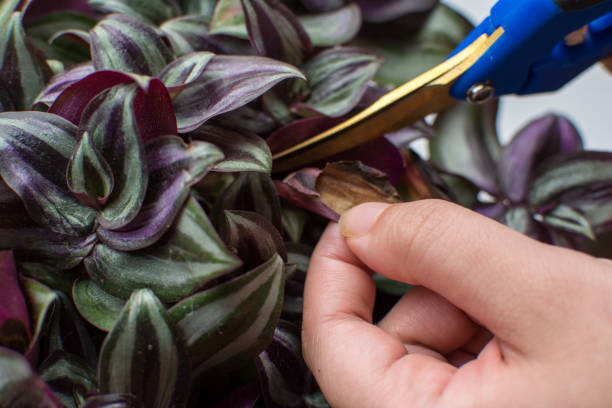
[523,47]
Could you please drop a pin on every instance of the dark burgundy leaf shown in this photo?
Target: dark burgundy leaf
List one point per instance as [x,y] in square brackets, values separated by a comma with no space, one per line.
[380,11]
[15,331]
[296,132]
[60,82]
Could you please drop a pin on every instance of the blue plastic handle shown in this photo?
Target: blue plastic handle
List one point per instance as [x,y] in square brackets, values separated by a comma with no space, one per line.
[531,56]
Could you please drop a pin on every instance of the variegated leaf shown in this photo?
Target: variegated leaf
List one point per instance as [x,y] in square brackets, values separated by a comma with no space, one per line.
[249,119]
[334,27]
[338,78]
[70,378]
[294,221]
[568,219]
[230,323]
[151,12]
[61,81]
[322,5]
[275,32]
[145,355]
[227,83]
[185,259]
[244,151]
[185,70]
[35,148]
[189,34]
[173,168]
[123,43]
[95,305]
[112,125]
[19,384]
[23,73]
[298,131]
[41,303]
[15,329]
[379,11]
[228,19]
[117,400]
[202,7]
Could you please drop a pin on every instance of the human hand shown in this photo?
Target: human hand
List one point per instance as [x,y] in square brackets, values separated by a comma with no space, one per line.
[497,320]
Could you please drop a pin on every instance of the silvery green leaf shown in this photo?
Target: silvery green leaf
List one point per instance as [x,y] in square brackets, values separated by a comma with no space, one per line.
[151,12]
[243,150]
[173,168]
[123,43]
[41,302]
[334,27]
[145,355]
[275,32]
[68,376]
[521,220]
[19,384]
[227,83]
[188,256]
[35,148]
[389,286]
[61,81]
[338,78]
[233,322]
[568,219]
[202,7]
[185,70]
[15,329]
[228,19]
[189,34]
[23,72]
[294,221]
[95,305]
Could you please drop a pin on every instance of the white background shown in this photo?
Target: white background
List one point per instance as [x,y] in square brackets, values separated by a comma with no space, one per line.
[587,100]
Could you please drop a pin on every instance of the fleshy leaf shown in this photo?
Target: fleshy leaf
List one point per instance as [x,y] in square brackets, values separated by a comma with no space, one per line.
[185,70]
[144,355]
[250,192]
[186,258]
[202,7]
[230,323]
[333,28]
[23,73]
[338,78]
[227,83]
[282,372]
[112,125]
[34,151]
[466,143]
[344,185]
[173,168]
[244,151]
[228,19]
[594,203]
[123,43]
[19,384]
[275,32]
[61,81]
[537,141]
[68,376]
[95,305]
[90,178]
[253,237]
[116,400]
[379,11]
[151,12]
[294,221]
[190,34]
[299,188]
[521,220]
[564,173]
[41,302]
[14,320]
[568,219]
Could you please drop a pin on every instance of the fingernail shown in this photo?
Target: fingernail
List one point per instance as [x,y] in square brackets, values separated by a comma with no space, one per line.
[359,220]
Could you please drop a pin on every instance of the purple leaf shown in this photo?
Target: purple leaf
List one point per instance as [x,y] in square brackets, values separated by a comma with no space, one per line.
[15,331]
[249,119]
[243,150]
[153,110]
[243,397]
[275,32]
[185,71]
[333,28]
[123,43]
[113,401]
[151,12]
[298,131]
[60,82]
[322,5]
[536,142]
[227,83]
[40,8]
[380,11]
[173,168]
[34,156]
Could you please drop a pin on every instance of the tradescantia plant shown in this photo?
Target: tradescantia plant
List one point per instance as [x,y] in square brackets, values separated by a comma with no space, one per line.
[148,258]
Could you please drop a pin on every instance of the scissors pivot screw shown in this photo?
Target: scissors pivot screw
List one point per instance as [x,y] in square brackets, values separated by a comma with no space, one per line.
[480,93]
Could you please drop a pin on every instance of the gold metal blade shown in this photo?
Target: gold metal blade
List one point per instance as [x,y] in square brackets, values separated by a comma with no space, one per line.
[427,93]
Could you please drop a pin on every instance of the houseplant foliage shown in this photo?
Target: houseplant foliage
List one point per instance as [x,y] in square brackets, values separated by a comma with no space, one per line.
[148,256]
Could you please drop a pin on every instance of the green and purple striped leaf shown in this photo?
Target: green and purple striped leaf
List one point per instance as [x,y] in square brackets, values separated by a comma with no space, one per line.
[35,148]
[185,71]
[145,355]
[202,7]
[23,72]
[275,32]
[60,82]
[19,384]
[95,305]
[123,43]
[299,188]
[15,329]
[243,150]
[112,125]
[41,303]
[282,372]
[338,78]
[520,219]
[253,238]
[70,378]
[151,12]
[250,192]
[567,219]
[594,203]
[37,8]
[334,27]
[380,11]
[89,176]
[173,168]
[229,324]
[185,259]
[539,140]
[117,400]
[249,119]
[190,34]
[294,221]
[227,83]
[228,19]
[322,5]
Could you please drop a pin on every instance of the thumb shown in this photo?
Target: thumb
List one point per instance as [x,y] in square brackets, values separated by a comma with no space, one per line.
[502,279]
